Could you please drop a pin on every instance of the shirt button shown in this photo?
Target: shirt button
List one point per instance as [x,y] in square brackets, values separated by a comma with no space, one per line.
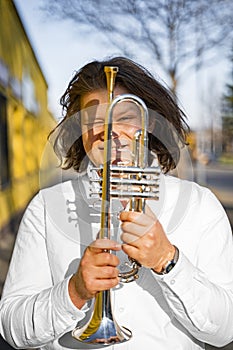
[172,282]
[121,309]
[73,318]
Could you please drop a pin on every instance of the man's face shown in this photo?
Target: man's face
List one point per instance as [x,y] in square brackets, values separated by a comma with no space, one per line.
[126,121]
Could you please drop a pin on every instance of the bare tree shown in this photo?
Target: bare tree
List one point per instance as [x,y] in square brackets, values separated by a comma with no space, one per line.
[177,34]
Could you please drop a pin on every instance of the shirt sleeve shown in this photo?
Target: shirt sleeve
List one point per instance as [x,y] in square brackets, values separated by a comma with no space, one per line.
[34,311]
[200,294]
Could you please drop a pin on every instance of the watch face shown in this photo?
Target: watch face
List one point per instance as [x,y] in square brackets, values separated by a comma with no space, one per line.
[170,266]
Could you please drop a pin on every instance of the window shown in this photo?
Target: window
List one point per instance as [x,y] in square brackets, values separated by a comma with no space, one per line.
[4,154]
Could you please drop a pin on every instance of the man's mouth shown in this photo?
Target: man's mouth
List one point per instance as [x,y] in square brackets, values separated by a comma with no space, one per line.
[118,148]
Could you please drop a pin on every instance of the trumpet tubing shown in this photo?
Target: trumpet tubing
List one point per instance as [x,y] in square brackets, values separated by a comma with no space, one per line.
[137,182]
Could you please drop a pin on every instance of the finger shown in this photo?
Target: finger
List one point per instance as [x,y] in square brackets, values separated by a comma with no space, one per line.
[134,216]
[130,251]
[95,284]
[128,238]
[136,228]
[133,228]
[130,216]
[105,284]
[104,243]
[138,217]
[106,259]
[107,272]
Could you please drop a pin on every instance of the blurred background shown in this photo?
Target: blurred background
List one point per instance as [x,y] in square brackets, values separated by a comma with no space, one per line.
[187,44]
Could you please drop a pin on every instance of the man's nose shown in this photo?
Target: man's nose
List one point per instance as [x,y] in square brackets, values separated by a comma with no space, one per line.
[115,136]
[117,129]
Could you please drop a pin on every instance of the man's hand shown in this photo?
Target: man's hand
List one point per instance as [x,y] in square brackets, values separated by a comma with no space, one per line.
[97,271]
[145,240]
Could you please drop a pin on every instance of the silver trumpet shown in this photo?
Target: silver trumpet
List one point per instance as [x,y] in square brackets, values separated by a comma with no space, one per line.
[137,182]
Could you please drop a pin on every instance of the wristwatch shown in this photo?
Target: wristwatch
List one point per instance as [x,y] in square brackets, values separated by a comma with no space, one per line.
[170,264]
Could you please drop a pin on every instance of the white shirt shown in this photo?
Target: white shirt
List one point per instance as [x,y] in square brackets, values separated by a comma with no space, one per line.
[189,306]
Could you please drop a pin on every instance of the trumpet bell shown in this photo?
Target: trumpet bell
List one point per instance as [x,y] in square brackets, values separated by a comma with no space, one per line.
[102,328]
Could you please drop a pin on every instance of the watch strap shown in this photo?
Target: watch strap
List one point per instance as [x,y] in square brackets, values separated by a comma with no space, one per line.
[171,263]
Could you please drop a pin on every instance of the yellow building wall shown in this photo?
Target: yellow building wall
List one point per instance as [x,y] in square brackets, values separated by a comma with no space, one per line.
[28,119]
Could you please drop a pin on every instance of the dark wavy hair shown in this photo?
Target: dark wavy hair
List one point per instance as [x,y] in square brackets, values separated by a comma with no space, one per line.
[170,130]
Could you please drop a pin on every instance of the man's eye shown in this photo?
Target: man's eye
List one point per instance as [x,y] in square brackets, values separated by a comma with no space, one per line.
[128,119]
[93,122]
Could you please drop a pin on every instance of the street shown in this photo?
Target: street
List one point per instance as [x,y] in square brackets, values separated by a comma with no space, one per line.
[219,178]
